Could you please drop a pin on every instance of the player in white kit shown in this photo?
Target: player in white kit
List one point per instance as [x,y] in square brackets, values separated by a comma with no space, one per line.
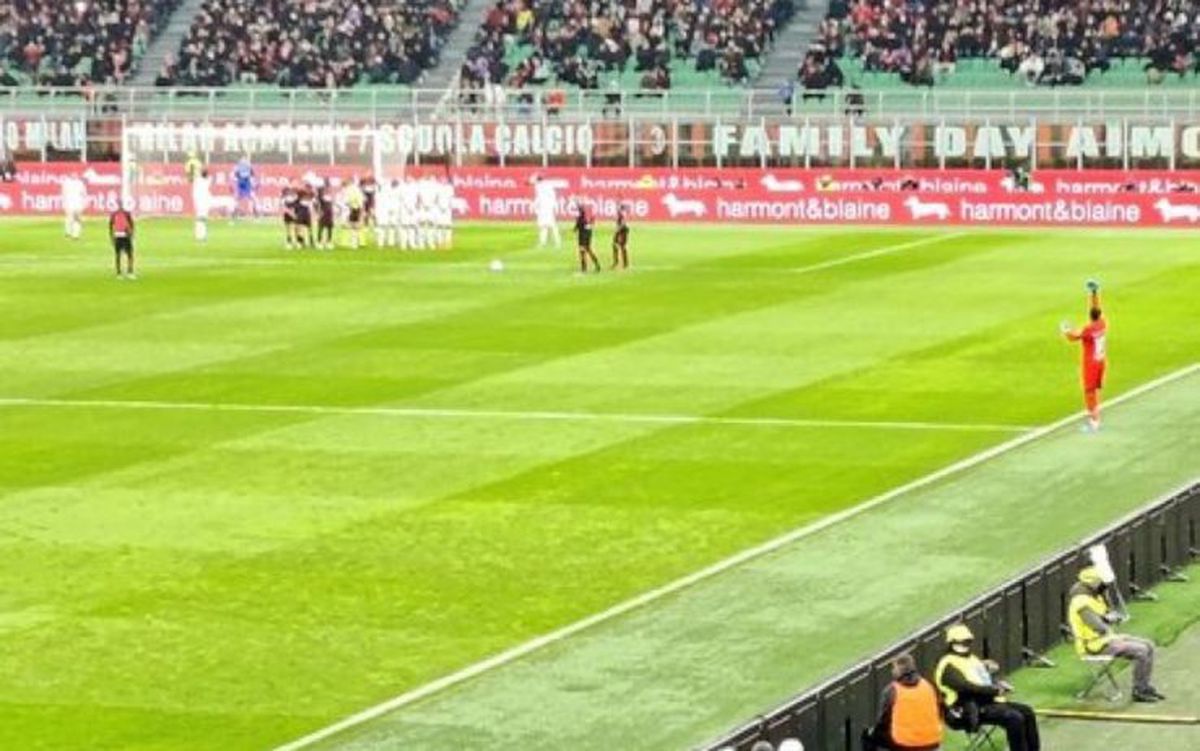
[444,213]
[74,201]
[387,214]
[409,219]
[202,203]
[426,213]
[545,209]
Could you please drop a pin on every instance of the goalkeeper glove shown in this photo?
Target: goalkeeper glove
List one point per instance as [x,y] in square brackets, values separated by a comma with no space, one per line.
[1093,286]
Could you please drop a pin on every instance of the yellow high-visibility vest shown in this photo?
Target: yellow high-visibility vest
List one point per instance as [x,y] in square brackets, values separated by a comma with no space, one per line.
[970,666]
[1088,641]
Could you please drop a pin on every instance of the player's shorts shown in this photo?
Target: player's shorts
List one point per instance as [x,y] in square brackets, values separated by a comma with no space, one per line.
[289,219]
[123,245]
[245,192]
[1093,376]
[585,240]
[621,237]
[355,216]
[304,218]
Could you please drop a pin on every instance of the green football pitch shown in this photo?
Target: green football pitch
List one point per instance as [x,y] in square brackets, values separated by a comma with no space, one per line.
[255,491]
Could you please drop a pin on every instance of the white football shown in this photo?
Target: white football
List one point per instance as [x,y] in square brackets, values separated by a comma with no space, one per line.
[496,265]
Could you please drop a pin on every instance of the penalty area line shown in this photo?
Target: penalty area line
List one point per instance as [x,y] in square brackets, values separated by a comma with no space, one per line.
[493,414]
[533,645]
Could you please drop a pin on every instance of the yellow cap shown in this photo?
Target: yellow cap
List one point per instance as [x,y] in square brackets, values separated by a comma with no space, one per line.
[959,633]
[1091,576]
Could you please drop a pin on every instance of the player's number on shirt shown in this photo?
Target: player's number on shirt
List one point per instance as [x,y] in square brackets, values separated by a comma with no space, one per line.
[1098,354]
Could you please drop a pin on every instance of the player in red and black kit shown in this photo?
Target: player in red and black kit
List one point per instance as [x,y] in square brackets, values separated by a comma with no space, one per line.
[288,202]
[304,215]
[369,188]
[620,243]
[1094,338]
[584,222]
[120,231]
[324,206]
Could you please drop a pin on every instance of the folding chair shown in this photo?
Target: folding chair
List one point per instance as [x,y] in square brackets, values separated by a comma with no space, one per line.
[1100,669]
[983,737]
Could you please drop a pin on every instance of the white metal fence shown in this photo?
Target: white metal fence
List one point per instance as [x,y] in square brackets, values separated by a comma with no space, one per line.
[388,103]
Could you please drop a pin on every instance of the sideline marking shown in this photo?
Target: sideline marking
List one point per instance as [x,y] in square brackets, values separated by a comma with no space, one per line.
[540,642]
[832,263]
[547,416]
[868,254]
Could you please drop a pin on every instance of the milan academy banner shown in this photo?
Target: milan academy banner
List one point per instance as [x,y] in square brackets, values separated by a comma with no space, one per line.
[1097,141]
[1060,198]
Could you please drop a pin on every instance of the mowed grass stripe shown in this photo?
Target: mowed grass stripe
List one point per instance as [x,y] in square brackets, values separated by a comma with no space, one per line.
[681,671]
[222,381]
[227,527]
[468,414]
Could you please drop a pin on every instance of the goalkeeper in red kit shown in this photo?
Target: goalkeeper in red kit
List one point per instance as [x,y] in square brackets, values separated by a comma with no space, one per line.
[1094,338]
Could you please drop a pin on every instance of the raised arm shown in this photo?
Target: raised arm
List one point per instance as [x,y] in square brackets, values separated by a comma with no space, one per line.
[1093,294]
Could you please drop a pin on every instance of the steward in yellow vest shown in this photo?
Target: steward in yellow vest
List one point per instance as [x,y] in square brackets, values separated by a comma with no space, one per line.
[1091,622]
[973,696]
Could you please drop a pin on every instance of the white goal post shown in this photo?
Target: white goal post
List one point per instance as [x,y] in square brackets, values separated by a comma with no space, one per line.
[155,158]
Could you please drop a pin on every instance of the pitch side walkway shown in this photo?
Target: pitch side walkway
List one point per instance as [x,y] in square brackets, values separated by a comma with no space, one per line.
[1175,675]
[686,667]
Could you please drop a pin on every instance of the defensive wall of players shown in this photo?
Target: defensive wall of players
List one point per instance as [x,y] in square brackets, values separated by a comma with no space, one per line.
[1014,622]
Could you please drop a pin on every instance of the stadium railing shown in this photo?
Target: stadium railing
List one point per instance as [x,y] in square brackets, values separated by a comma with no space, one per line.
[1019,619]
[390,102]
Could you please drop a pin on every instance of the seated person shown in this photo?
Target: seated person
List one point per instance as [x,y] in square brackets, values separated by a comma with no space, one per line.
[910,712]
[974,697]
[1091,622]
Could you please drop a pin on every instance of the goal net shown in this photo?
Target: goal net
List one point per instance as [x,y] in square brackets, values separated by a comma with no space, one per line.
[158,161]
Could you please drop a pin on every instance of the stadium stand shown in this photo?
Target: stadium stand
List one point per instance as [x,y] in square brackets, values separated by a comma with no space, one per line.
[641,44]
[57,43]
[1003,42]
[316,43]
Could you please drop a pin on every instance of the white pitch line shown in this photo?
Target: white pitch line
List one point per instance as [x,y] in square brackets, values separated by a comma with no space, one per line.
[868,254]
[496,414]
[533,645]
[832,263]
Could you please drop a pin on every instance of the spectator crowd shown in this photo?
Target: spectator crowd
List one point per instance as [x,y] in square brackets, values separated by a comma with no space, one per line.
[573,42]
[1049,42]
[69,43]
[311,43]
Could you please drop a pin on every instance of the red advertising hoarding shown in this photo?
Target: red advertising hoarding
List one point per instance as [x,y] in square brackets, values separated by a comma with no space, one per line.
[1059,198]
